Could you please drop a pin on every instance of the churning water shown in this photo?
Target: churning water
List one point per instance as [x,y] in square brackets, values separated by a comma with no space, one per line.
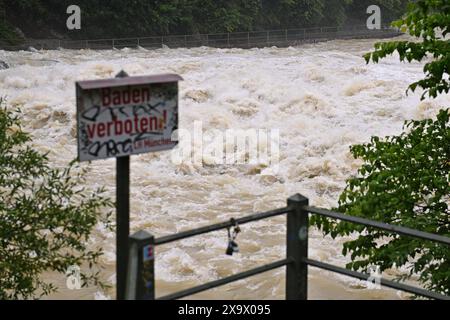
[323,98]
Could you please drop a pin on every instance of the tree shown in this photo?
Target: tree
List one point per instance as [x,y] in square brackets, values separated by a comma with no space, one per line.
[46,216]
[405,179]
[43,19]
[390,10]
[429,21]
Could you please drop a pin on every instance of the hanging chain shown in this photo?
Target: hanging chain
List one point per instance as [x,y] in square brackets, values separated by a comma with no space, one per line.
[232,245]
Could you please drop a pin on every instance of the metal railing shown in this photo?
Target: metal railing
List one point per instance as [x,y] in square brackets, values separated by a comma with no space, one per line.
[141,275]
[282,37]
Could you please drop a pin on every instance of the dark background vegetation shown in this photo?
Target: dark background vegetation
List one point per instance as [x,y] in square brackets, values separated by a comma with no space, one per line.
[120,18]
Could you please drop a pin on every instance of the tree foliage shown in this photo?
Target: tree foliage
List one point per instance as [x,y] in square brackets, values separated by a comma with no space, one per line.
[46,216]
[429,21]
[39,18]
[405,180]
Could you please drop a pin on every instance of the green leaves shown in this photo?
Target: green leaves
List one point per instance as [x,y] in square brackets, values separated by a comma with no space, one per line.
[404,180]
[430,21]
[119,18]
[46,218]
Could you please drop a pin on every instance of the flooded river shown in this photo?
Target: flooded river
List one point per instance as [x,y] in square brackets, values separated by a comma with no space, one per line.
[322,98]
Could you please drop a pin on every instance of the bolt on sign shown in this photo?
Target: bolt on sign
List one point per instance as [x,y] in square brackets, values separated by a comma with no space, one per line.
[125,116]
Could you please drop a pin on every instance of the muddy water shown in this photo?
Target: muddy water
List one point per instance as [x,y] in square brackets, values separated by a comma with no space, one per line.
[322,98]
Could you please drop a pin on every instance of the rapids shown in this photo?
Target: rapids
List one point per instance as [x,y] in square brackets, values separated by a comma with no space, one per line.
[323,98]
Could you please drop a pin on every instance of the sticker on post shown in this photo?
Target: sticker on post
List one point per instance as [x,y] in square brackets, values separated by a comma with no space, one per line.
[148,253]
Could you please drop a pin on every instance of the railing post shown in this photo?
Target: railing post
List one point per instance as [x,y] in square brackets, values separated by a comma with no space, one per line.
[297,249]
[141,267]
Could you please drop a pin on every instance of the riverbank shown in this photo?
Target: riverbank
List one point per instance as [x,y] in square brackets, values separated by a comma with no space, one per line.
[243,40]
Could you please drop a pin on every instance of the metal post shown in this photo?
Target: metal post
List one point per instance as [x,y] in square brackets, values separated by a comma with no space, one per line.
[141,267]
[122,222]
[228,39]
[122,217]
[297,249]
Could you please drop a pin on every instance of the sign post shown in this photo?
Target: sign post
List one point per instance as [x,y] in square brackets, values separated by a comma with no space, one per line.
[122,222]
[122,218]
[118,118]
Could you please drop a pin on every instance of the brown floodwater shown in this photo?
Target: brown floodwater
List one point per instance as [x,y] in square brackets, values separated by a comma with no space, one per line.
[322,98]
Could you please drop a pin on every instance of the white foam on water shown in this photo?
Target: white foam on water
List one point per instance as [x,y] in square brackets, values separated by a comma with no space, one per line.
[323,98]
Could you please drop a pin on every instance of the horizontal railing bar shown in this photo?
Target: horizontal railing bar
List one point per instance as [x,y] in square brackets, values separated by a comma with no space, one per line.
[384,282]
[219,226]
[221,282]
[380,225]
[345,28]
[70,44]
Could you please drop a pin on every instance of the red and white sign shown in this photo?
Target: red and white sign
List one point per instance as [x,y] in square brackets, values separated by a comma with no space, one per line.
[125,116]
[148,253]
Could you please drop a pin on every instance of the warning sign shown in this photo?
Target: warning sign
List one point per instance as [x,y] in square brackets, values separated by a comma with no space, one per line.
[124,116]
